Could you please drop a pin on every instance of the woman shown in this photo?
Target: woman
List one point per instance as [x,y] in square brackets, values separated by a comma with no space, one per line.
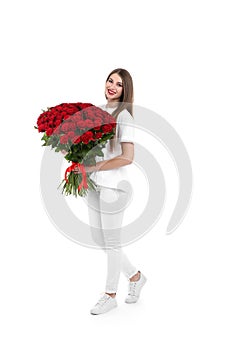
[108,173]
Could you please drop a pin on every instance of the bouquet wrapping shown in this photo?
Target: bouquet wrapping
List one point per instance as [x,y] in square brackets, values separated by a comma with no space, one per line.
[80,131]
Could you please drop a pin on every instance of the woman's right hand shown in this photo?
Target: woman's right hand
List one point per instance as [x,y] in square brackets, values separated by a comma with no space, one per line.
[64,152]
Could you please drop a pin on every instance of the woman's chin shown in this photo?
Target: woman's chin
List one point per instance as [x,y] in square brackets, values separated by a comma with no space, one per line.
[112,98]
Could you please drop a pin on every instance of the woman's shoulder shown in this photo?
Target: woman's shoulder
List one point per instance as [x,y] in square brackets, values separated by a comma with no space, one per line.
[125,115]
[122,116]
[103,107]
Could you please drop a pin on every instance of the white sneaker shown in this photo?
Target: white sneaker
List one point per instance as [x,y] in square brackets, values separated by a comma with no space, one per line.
[105,304]
[135,289]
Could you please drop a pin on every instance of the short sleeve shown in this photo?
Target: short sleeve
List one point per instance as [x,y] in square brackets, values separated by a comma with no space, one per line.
[125,127]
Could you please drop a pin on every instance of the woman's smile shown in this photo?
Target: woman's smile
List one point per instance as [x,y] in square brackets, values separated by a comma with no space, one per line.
[111,92]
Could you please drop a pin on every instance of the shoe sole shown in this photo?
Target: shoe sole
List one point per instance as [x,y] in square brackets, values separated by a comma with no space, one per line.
[100,313]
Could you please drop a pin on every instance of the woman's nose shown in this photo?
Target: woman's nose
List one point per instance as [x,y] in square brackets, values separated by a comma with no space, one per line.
[113,86]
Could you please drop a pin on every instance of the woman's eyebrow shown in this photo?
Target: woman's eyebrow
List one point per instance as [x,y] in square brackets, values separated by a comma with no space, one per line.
[119,82]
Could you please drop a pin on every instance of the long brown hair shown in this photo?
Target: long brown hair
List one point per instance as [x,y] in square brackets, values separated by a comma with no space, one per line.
[127,96]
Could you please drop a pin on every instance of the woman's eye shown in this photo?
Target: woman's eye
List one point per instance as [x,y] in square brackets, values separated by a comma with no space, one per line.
[110,80]
[120,85]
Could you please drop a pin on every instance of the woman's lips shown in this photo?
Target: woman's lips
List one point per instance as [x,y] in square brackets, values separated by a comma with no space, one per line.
[111,92]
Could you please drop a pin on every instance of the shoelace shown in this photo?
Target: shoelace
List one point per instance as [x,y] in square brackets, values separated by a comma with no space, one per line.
[132,288]
[102,300]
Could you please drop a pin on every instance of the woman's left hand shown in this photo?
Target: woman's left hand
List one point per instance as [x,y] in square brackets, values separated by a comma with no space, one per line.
[88,169]
[77,170]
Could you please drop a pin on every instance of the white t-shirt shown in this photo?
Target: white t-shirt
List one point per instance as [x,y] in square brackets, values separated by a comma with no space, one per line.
[124,133]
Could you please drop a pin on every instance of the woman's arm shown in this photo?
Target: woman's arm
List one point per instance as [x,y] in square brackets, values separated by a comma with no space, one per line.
[125,158]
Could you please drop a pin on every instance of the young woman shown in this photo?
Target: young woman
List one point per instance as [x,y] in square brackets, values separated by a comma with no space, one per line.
[108,173]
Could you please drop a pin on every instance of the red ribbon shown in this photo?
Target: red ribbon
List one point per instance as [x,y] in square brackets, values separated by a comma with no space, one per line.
[81,167]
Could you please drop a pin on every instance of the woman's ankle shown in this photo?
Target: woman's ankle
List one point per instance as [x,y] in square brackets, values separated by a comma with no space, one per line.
[135,277]
[112,295]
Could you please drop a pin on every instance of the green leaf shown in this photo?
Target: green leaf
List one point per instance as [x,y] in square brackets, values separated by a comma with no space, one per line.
[99,152]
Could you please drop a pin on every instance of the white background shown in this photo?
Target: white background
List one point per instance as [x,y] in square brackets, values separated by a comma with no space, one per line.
[180,56]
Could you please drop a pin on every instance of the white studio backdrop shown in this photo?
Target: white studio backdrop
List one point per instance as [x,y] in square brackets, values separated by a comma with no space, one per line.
[180,56]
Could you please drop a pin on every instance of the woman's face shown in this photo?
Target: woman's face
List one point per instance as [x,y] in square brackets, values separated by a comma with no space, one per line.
[114,88]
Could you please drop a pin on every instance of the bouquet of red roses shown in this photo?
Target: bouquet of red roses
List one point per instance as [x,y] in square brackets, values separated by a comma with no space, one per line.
[80,130]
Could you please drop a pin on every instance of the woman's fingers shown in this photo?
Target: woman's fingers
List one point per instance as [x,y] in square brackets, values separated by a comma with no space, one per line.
[76,169]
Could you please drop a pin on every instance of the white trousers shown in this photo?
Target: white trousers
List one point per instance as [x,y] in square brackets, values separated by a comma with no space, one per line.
[105,219]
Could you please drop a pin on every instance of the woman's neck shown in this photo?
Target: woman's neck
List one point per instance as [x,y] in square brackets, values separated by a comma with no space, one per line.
[112,104]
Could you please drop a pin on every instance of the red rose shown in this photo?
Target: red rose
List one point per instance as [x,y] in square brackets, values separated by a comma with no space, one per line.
[85,105]
[41,127]
[64,139]
[88,136]
[81,124]
[65,127]
[71,135]
[78,140]
[98,135]
[57,122]
[107,128]
[46,126]
[57,131]
[71,110]
[97,123]
[49,131]
[71,126]
[89,123]
[76,116]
